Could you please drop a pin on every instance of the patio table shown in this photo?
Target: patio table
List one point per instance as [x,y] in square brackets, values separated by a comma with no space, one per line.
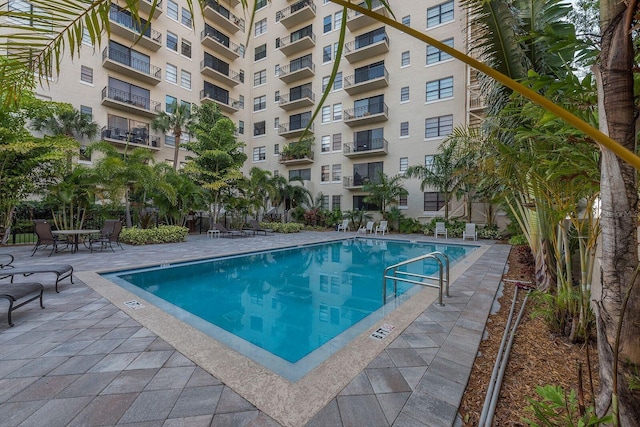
[75,236]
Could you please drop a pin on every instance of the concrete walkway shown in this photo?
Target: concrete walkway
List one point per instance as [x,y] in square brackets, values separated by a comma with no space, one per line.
[82,361]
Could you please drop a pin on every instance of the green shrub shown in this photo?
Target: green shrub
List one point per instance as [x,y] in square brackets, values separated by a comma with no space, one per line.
[161,234]
[410,225]
[278,227]
[454,227]
[519,239]
[558,408]
[489,232]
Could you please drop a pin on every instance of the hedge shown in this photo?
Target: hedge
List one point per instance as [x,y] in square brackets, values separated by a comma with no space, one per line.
[161,234]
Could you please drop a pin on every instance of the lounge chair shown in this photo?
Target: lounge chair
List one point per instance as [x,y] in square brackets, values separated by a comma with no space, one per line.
[224,232]
[14,292]
[109,235]
[382,228]
[62,271]
[440,230]
[470,232]
[254,227]
[45,237]
[369,227]
[344,226]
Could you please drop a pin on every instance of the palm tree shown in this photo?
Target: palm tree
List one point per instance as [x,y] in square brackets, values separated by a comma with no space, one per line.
[385,191]
[292,195]
[178,121]
[259,189]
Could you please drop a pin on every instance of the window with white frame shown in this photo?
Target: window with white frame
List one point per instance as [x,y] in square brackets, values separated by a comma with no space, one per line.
[276,148]
[405,58]
[326,114]
[260,4]
[185,79]
[433,201]
[325,82]
[327,54]
[404,129]
[336,142]
[404,94]
[86,37]
[168,103]
[172,41]
[187,20]
[406,20]
[337,19]
[439,89]
[241,127]
[326,24]
[324,173]
[404,164]
[277,70]
[86,74]
[324,201]
[428,161]
[325,143]
[185,48]
[403,201]
[276,96]
[172,10]
[170,140]
[435,55]
[435,127]
[335,202]
[259,128]
[336,173]
[276,122]
[337,112]
[259,78]
[241,101]
[86,112]
[260,27]
[171,73]
[337,83]
[259,154]
[440,14]
[260,52]
[260,103]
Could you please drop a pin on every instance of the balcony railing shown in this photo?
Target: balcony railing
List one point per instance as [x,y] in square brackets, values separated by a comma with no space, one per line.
[238,50]
[296,42]
[358,181]
[233,20]
[372,78]
[130,99]
[232,75]
[224,101]
[138,136]
[126,59]
[296,13]
[127,21]
[357,20]
[305,93]
[363,147]
[285,72]
[297,158]
[366,111]
[288,128]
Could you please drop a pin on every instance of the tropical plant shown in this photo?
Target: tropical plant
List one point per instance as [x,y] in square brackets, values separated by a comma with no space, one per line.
[385,191]
[358,217]
[289,193]
[176,122]
[71,197]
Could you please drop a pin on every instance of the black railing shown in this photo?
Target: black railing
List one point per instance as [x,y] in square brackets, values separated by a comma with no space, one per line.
[296,126]
[127,21]
[367,110]
[138,136]
[364,41]
[129,98]
[293,38]
[302,94]
[288,11]
[364,146]
[363,76]
[297,66]
[210,63]
[220,98]
[207,32]
[125,58]
[224,12]
[375,4]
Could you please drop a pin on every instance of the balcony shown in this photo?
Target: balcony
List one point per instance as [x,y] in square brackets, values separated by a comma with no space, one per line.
[476,100]
[357,20]
[360,49]
[124,63]
[130,137]
[297,71]
[126,27]
[229,49]
[125,101]
[375,78]
[289,102]
[292,160]
[289,130]
[349,183]
[225,103]
[297,13]
[144,6]
[294,43]
[366,115]
[220,16]
[230,78]
[372,147]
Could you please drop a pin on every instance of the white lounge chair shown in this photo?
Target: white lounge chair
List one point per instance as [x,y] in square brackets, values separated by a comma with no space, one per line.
[470,232]
[344,226]
[440,230]
[369,228]
[382,228]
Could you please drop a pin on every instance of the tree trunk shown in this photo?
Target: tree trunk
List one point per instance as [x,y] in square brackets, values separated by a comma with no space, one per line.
[619,216]
[176,150]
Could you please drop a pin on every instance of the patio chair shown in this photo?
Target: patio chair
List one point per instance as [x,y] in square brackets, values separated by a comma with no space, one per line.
[254,227]
[369,228]
[344,226]
[440,230]
[45,237]
[109,235]
[14,292]
[382,227]
[62,271]
[224,232]
[470,232]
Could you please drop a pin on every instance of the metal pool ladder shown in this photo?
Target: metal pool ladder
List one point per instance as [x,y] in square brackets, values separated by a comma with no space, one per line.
[392,273]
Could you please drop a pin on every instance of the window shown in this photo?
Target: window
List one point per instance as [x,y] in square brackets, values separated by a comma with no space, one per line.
[433,201]
[172,10]
[325,82]
[428,162]
[168,103]
[277,70]
[404,164]
[366,172]
[404,129]
[326,24]
[260,52]
[260,103]
[304,174]
[260,4]
[326,114]
[277,96]
[259,128]
[335,202]
[405,58]
[260,78]
[404,94]
[186,18]
[241,76]
[337,112]
[439,89]
[260,27]
[259,154]
[276,123]
[406,20]
[185,79]
[438,126]
[324,173]
[170,140]
[337,83]
[403,201]
[325,144]
[241,101]
[171,73]
[336,173]
[359,203]
[440,14]
[172,41]
[86,38]
[327,54]
[337,19]
[83,154]
[324,202]
[185,48]
[337,142]
[276,148]
[435,55]
[86,74]
[86,112]
[241,127]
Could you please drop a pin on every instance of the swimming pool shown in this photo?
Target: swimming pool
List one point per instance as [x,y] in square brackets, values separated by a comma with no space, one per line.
[287,309]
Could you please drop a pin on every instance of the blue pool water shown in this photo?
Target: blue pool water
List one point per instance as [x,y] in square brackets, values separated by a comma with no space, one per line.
[288,302]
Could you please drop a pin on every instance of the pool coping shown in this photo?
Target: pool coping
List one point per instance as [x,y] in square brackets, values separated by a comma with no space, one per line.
[291,404]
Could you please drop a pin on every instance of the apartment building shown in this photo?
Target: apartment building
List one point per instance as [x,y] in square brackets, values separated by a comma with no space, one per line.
[392,103]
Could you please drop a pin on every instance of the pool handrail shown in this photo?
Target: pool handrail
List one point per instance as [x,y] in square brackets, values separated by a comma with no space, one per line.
[442,260]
